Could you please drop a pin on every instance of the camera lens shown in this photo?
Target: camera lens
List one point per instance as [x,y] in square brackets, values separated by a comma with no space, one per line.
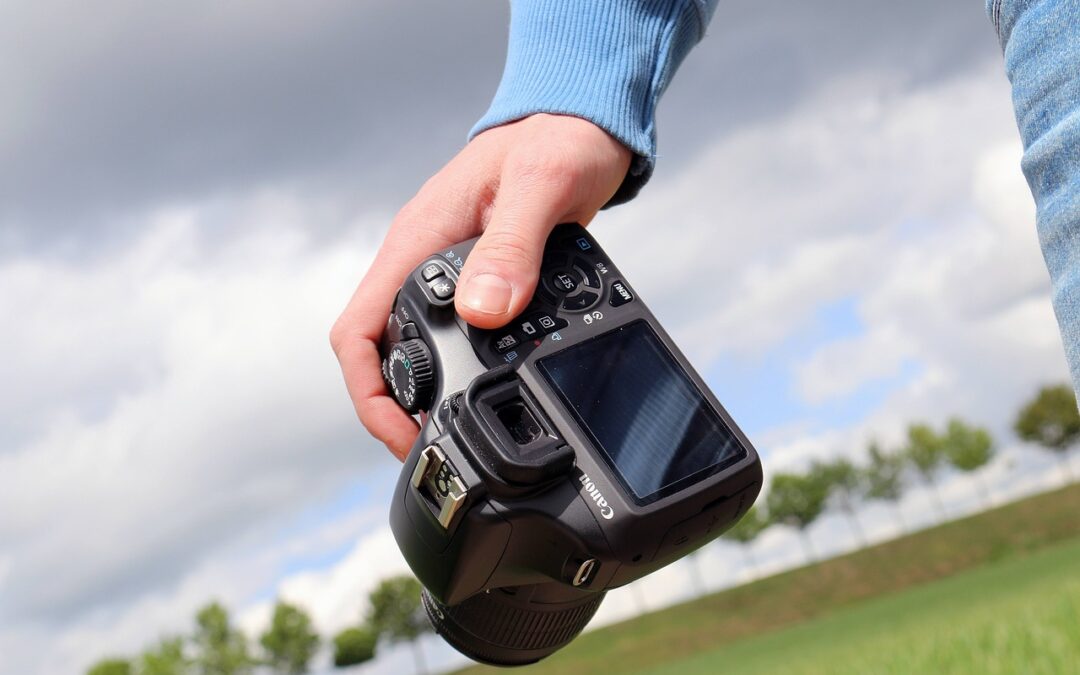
[513,626]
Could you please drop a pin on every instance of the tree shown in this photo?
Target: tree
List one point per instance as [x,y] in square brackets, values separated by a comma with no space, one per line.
[290,642]
[165,658]
[745,530]
[219,649]
[397,613]
[1051,420]
[111,666]
[969,448]
[884,480]
[926,451]
[353,646]
[842,482]
[797,500]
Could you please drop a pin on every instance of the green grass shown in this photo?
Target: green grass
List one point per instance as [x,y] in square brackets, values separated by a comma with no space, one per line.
[1017,616]
[900,587]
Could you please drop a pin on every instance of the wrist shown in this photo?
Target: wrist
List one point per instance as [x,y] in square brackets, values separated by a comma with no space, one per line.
[605,61]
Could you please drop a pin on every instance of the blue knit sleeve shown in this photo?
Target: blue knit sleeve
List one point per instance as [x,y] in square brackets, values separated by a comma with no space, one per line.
[606,61]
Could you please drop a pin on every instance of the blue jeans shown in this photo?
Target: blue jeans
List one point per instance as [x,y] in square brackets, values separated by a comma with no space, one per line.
[1041,41]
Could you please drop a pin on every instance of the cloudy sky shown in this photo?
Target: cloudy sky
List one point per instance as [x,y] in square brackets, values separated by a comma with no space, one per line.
[838,234]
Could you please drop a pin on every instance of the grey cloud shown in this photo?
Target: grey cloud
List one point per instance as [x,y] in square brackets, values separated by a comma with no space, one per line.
[761,58]
[124,105]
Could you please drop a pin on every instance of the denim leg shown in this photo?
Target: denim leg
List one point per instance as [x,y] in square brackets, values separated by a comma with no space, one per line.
[1041,42]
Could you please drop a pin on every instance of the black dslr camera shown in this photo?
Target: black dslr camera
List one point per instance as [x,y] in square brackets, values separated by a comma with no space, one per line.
[571,452]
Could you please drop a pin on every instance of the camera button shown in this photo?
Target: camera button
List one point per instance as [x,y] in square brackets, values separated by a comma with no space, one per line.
[581,301]
[620,294]
[431,271]
[505,343]
[588,272]
[443,288]
[564,282]
[550,324]
[581,243]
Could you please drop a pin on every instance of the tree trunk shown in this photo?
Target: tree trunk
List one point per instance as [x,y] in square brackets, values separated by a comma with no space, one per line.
[811,558]
[984,492]
[695,572]
[418,656]
[856,527]
[937,499]
[1066,468]
[904,531]
[751,562]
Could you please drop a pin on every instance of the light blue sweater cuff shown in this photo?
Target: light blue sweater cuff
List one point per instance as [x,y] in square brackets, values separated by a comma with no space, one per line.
[606,61]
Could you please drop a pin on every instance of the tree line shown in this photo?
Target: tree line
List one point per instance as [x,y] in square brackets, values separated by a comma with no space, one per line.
[1050,420]
[395,612]
[289,643]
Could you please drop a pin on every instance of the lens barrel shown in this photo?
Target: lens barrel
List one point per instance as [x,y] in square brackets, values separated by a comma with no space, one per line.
[513,626]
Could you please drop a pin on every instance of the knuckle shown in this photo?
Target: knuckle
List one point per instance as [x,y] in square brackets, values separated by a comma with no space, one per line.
[412,213]
[337,335]
[508,247]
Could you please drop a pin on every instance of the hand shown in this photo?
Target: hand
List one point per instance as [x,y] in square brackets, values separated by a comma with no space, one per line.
[512,183]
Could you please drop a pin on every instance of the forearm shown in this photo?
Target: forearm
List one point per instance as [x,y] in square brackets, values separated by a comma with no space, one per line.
[606,61]
[1041,42]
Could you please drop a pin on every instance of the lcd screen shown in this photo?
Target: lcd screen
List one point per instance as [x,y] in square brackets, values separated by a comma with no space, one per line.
[641,410]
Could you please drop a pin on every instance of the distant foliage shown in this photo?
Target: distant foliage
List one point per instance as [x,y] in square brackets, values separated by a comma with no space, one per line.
[111,666]
[795,499]
[290,642]
[165,658]
[219,648]
[925,450]
[748,527]
[396,610]
[842,482]
[840,477]
[1050,419]
[353,646]
[967,447]
[883,475]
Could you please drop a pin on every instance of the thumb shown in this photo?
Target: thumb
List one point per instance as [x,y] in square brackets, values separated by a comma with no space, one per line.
[500,275]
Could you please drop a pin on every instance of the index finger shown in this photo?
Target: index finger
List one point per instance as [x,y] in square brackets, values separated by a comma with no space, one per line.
[358,331]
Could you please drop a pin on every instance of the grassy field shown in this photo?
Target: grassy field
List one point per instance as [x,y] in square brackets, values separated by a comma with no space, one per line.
[982,594]
[1016,616]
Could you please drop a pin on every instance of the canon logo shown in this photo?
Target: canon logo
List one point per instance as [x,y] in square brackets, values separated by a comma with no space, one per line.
[594,493]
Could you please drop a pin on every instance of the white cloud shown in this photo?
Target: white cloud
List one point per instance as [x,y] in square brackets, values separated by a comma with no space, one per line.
[840,368]
[738,248]
[177,406]
[337,597]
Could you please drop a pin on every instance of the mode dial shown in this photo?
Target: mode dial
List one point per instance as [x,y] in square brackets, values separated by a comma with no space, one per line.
[409,375]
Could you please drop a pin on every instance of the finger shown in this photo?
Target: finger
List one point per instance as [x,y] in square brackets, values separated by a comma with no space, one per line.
[358,332]
[501,272]
[379,412]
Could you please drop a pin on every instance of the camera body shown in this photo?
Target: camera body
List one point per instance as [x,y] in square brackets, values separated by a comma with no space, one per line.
[573,451]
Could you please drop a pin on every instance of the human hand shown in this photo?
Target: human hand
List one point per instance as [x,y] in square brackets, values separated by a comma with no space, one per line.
[513,184]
